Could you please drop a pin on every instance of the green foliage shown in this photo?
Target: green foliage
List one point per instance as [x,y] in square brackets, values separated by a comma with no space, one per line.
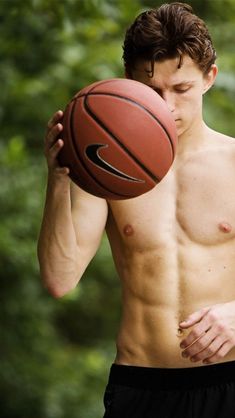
[51,358]
[55,354]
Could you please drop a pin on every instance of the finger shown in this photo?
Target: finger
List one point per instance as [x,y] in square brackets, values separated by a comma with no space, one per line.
[220,354]
[53,134]
[200,344]
[209,351]
[53,152]
[54,119]
[62,171]
[194,318]
[198,330]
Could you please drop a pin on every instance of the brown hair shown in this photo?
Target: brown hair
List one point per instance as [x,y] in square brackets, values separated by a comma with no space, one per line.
[169,31]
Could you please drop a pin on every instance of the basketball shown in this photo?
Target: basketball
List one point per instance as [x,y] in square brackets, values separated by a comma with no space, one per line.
[119,139]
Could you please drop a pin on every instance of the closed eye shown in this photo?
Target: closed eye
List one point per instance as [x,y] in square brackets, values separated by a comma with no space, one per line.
[180,90]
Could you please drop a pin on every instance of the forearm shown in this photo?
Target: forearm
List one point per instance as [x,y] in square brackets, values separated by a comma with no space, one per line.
[72,224]
[57,244]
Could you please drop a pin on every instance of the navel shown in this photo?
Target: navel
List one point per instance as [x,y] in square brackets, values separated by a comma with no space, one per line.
[128,230]
[179,332]
[225,227]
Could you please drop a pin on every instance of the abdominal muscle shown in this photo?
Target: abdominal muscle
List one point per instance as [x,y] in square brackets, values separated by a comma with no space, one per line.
[149,333]
[159,290]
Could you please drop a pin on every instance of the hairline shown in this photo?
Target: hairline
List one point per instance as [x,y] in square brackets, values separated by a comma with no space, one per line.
[153,61]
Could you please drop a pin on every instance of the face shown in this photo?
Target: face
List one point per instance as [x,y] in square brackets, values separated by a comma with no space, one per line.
[181,88]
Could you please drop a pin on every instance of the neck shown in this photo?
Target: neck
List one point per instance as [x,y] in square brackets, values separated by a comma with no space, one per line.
[193,138]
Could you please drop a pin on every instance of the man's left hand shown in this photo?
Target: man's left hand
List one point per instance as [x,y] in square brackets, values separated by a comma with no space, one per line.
[212,335]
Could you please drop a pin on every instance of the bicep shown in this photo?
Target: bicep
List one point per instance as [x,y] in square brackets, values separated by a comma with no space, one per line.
[89,214]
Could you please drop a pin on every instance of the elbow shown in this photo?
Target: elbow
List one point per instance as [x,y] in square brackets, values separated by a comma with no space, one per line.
[57,288]
[55,291]
[57,282]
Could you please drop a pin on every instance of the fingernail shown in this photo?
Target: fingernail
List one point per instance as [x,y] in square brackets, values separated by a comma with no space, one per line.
[184,354]
[182,345]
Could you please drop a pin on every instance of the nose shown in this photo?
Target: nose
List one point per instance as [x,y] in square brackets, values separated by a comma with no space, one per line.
[170,100]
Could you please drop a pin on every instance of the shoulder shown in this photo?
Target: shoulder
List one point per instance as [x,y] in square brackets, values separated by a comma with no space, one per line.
[221,140]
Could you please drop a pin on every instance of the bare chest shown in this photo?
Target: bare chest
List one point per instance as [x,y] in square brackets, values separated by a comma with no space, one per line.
[195,201]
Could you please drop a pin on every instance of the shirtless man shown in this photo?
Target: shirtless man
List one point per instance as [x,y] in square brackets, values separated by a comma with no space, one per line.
[173,247]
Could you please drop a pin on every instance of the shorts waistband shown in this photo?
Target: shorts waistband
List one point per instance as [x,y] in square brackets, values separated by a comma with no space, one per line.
[172,378]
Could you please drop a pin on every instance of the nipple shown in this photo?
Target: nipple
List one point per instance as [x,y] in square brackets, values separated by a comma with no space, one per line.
[128,230]
[225,227]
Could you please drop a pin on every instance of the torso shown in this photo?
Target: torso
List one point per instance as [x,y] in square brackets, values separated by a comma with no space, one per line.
[174,250]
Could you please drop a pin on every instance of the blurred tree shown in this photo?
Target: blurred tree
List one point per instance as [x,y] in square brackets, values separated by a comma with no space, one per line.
[55,354]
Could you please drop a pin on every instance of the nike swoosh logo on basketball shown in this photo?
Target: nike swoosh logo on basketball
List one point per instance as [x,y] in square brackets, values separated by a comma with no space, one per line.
[92,153]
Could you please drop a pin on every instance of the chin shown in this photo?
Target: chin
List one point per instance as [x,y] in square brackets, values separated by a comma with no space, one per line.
[181,129]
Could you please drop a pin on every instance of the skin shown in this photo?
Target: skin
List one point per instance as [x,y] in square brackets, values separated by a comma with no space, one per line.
[173,247]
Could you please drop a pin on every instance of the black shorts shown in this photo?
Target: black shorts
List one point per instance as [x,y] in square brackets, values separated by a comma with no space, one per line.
[195,392]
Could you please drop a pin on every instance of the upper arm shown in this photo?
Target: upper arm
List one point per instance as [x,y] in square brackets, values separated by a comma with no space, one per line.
[89,214]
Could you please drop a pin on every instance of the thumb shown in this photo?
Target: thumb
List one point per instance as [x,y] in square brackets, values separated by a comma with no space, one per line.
[194,318]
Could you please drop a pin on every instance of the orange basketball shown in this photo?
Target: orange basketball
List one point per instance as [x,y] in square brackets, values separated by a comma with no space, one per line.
[119,138]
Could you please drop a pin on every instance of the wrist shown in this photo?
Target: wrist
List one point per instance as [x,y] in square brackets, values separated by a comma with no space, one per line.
[58,180]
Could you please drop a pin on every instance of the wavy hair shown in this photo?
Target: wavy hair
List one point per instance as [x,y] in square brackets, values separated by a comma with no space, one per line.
[170,31]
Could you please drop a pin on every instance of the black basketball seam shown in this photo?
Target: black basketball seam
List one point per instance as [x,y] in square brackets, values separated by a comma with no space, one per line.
[80,159]
[145,169]
[94,86]
[90,93]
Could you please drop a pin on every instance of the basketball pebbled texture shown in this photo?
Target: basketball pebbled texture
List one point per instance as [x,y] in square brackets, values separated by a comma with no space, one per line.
[119,138]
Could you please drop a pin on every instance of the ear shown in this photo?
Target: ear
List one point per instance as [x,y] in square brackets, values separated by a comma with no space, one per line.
[210,77]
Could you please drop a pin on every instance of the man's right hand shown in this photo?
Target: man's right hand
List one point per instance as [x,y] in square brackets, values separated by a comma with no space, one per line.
[53,145]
